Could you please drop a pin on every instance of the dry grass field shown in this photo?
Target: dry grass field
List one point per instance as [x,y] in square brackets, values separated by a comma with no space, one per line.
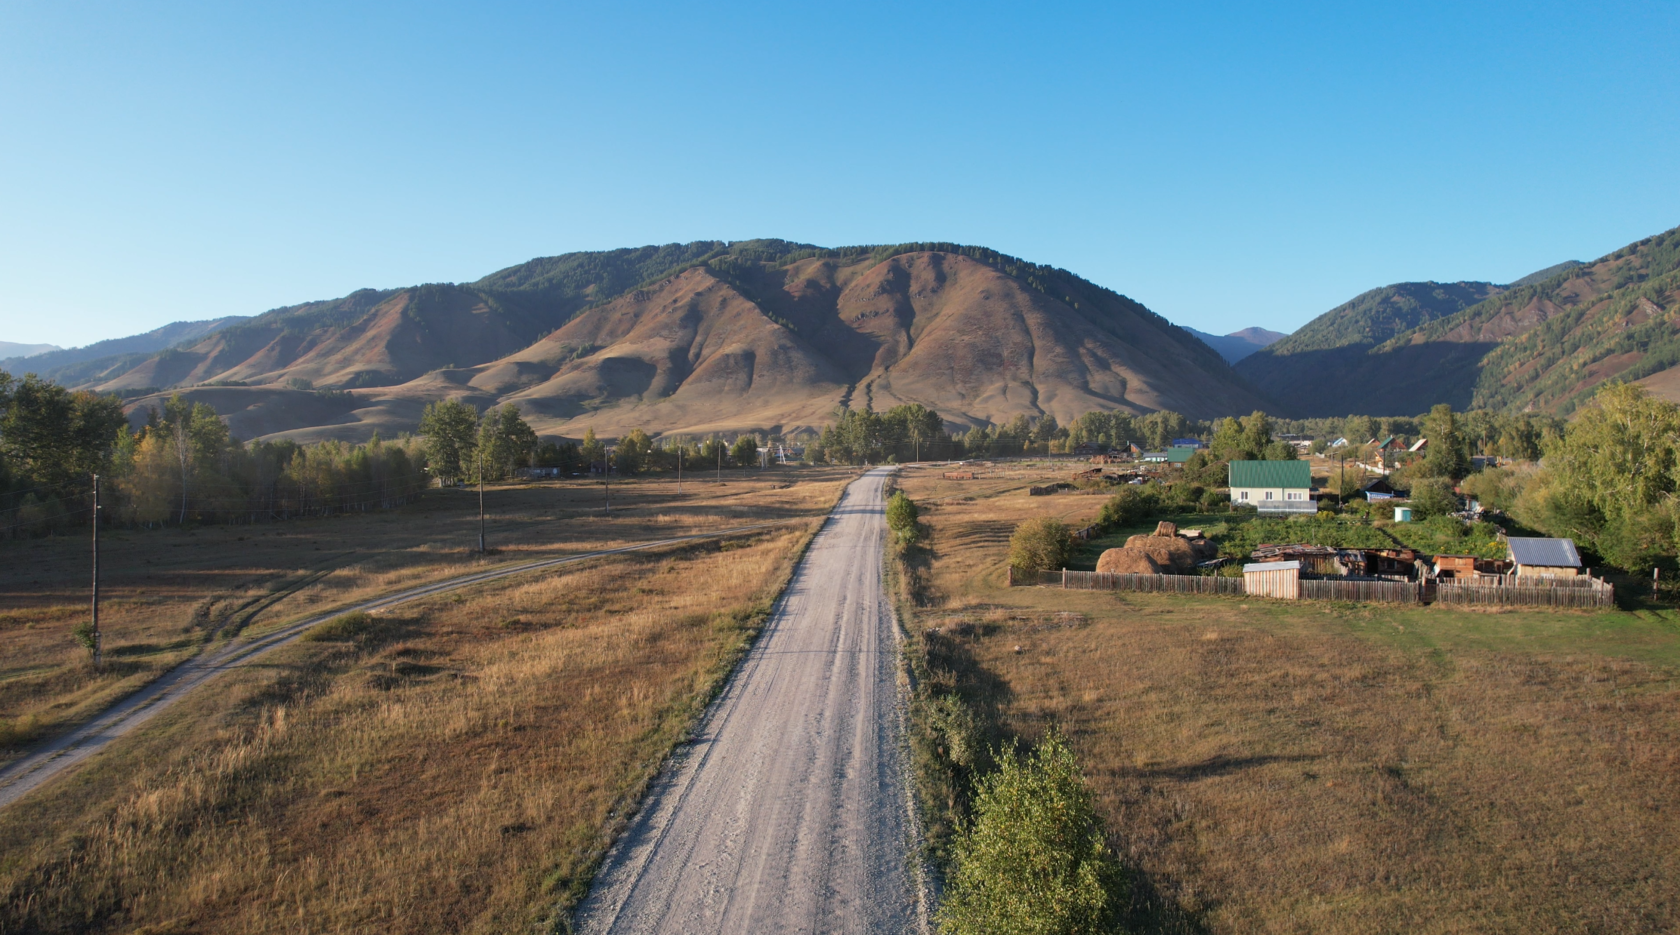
[1278,767]
[169,592]
[456,765]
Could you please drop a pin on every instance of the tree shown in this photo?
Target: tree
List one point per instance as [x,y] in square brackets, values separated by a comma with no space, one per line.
[1040,544]
[901,518]
[451,430]
[633,452]
[196,435]
[1433,496]
[1446,455]
[593,451]
[506,441]
[745,451]
[1033,860]
[1612,479]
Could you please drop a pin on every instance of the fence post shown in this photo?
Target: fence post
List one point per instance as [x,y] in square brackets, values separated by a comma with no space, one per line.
[1009,576]
[1064,579]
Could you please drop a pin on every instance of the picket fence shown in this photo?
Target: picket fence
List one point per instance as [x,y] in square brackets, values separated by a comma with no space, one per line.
[1556,592]
[1360,589]
[1170,584]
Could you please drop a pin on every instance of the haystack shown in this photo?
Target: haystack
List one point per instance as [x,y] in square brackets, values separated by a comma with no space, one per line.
[1127,561]
[1171,553]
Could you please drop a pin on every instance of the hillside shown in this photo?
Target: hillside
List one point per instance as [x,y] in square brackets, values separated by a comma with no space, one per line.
[705,337]
[11,349]
[1541,343]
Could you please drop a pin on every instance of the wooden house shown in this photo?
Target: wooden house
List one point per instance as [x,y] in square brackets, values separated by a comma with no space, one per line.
[1544,558]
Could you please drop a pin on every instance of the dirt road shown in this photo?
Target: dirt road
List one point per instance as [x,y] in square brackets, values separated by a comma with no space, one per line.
[788,810]
[56,755]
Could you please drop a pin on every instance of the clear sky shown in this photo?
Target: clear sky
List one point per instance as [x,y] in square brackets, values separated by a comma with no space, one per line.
[1226,164]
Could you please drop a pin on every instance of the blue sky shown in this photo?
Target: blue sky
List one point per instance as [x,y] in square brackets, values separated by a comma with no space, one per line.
[1227,165]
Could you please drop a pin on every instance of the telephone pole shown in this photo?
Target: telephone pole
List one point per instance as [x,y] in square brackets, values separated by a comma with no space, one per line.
[98,655]
[679,469]
[720,462]
[607,486]
[481,502]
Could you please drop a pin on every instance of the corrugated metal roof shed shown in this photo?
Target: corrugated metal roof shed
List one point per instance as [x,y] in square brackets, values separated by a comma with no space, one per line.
[1292,474]
[1556,553]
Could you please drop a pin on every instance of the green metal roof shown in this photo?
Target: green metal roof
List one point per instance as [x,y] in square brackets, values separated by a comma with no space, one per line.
[1271,474]
[1179,455]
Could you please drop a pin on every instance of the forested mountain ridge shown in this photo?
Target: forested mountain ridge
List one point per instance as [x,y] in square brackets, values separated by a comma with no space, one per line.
[77,365]
[1543,343]
[701,337]
[1550,344]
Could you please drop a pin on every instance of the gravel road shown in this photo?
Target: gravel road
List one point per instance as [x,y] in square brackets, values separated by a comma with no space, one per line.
[788,811]
[53,757]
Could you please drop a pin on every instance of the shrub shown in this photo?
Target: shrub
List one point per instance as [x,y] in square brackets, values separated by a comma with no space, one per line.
[345,628]
[1033,860]
[1039,545]
[901,518]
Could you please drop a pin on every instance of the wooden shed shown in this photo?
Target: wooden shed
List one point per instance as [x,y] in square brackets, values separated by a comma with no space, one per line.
[1273,579]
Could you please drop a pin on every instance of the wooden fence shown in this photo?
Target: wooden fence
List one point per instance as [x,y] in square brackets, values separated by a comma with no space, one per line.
[1369,590]
[1102,581]
[1579,593]
[1556,592]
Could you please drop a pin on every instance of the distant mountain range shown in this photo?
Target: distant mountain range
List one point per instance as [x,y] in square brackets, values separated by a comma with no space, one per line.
[1544,342]
[10,350]
[773,336]
[694,338]
[83,364]
[1238,344]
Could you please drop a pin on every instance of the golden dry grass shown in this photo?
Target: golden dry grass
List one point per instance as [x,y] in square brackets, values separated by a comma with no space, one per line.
[168,592]
[1278,767]
[458,767]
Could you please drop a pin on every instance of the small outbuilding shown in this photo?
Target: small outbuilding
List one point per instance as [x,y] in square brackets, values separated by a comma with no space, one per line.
[1544,558]
[1273,579]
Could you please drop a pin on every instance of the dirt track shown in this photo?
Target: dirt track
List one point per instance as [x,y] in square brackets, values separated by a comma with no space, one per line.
[788,810]
[57,755]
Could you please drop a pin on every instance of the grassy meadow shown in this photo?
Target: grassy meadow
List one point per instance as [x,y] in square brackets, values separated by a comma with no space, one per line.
[167,593]
[1315,767]
[457,764]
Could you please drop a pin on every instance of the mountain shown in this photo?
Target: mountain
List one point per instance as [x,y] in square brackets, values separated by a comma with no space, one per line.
[83,364]
[704,337]
[9,350]
[1545,342]
[1238,344]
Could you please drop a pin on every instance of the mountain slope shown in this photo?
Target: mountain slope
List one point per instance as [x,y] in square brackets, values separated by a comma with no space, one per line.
[726,337]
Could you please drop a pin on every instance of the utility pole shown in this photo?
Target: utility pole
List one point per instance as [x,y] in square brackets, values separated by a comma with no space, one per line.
[481,502]
[98,655]
[607,486]
[679,469]
[720,462]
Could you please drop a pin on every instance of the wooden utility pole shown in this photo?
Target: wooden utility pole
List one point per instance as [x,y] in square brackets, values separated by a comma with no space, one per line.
[481,501]
[607,486]
[679,469]
[720,462]
[98,654]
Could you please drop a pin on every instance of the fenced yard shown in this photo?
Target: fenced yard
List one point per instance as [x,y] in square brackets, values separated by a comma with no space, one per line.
[1559,592]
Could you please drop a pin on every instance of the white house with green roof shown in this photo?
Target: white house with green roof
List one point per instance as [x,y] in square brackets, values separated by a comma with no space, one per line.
[1273,486]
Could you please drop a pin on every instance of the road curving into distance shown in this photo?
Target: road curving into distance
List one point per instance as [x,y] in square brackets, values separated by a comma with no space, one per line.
[788,809]
[59,754]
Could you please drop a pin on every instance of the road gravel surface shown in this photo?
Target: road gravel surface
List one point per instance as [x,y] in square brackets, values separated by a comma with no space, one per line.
[55,756]
[788,811]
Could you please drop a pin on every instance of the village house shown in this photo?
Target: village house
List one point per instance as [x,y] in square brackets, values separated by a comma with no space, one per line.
[1544,558]
[1273,486]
